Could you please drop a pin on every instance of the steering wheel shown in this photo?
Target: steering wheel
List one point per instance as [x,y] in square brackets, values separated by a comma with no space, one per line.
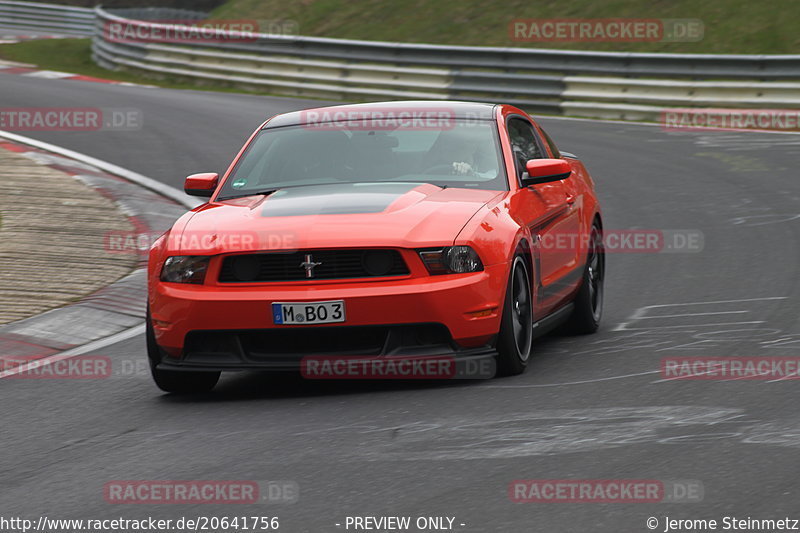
[448,170]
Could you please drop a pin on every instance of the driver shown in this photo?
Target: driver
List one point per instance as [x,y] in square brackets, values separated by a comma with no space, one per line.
[465,152]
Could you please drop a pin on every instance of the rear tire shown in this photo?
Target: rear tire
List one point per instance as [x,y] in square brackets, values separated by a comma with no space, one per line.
[181,382]
[516,328]
[588,311]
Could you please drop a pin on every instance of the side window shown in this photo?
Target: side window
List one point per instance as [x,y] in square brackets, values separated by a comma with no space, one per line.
[552,145]
[523,142]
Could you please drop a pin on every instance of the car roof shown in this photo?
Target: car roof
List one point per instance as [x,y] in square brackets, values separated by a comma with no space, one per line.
[454,109]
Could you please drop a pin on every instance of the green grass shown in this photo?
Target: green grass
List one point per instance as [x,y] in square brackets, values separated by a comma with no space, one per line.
[731,26]
[74,55]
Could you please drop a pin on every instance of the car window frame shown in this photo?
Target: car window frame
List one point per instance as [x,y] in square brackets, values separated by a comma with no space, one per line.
[554,151]
[537,138]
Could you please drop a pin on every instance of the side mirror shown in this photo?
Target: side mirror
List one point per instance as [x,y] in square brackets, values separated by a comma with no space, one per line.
[545,171]
[202,185]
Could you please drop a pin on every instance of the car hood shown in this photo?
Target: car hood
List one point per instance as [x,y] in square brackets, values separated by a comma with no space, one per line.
[402,215]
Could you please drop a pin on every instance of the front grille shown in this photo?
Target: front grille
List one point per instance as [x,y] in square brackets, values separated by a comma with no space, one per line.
[333,264]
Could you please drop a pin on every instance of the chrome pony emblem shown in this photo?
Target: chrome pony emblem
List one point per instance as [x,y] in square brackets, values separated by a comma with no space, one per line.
[309,265]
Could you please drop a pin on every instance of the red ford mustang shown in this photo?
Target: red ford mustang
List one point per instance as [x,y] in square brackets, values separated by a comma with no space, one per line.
[381,231]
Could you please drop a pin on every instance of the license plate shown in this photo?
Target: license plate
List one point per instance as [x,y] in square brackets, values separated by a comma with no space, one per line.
[308,312]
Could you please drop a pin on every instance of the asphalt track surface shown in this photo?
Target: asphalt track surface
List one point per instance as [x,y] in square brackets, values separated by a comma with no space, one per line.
[591,407]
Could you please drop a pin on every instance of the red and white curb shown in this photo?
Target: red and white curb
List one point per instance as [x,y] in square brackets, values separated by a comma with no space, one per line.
[32,71]
[117,311]
[13,39]
[8,67]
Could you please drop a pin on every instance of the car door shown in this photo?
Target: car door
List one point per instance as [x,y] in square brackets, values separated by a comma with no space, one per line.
[548,210]
[574,192]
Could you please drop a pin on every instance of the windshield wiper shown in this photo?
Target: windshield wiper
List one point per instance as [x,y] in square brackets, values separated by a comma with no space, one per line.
[265,192]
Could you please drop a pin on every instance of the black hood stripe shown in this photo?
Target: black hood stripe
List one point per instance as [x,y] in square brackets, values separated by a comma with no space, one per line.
[336,199]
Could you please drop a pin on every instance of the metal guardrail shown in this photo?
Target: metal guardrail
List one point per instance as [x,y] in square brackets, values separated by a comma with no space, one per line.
[47,18]
[597,84]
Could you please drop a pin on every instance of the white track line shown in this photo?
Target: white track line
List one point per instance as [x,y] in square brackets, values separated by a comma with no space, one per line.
[73,352]
[584,382]
[692,314]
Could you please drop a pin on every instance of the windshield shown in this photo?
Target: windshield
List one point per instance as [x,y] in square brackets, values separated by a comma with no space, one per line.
[460,153]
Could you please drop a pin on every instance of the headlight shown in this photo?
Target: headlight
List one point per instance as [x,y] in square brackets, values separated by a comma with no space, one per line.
[451,260]
[185,269]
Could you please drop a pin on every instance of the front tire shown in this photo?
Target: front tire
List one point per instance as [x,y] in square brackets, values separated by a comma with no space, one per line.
[588,311]
[516,328]
[181,382]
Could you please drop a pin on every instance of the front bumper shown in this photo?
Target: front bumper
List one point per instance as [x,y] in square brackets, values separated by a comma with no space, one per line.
[236,321]
[448,362]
